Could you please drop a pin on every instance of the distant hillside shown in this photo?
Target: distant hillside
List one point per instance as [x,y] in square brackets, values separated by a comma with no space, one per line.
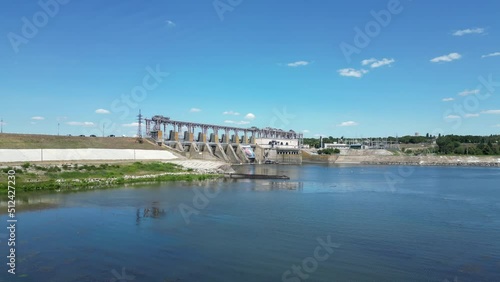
[33,141]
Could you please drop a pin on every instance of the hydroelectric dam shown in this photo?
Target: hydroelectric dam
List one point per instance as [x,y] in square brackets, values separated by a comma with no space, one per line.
[226,143]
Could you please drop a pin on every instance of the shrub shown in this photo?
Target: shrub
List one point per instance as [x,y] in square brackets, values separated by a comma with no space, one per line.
[329,151]
[54,169]
[6,170]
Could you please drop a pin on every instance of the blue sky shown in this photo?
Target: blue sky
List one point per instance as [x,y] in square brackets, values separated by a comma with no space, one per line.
[340,68]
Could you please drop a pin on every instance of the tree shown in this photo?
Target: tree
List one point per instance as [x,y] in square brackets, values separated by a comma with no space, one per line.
[329,151]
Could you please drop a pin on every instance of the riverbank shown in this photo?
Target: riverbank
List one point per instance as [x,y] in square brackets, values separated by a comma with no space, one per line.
[42,141]
[385,157]
[429,160]
[61,177]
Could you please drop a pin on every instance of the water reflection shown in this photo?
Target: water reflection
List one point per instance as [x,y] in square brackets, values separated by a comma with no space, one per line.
[292,171]
[279,185]
[153,212]
[32,201]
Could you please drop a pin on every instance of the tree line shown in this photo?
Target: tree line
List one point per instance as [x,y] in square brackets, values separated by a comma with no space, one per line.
[469,145]
[443,144]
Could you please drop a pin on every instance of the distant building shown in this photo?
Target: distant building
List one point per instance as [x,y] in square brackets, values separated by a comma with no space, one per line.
[335,145]
[356,146]
[277,142]
[342,146]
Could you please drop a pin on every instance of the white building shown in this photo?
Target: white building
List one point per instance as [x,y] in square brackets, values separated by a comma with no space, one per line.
[277,142]
[335,145]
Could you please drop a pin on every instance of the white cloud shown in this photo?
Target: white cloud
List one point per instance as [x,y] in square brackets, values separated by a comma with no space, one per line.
[447,58]
[37,118]
[170,24]
[491,112]
[451,117]
[250,116]
[374,63]
[305,131]
[368,61]
[348,123]
[194,110]
[3,123]
[133,124]
[298,64]
[102,111]
[468,31]
[498,125]
[78,123]
[231,113]
[33,122]
[448,99]
[471,115]
[491,55]
[236,122]
[350,72]
[468,92]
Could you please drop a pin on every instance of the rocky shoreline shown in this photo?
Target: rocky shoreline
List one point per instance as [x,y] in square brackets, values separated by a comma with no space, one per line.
[478,164]
[429,160]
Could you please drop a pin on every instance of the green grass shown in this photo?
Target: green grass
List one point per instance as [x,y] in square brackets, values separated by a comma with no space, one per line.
[36,178]
[34,141]
[107,171]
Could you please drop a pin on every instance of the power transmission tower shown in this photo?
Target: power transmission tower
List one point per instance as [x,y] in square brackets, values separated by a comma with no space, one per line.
[139,127]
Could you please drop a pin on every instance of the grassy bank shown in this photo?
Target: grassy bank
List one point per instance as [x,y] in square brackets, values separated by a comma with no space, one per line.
[35,141]
[77,176]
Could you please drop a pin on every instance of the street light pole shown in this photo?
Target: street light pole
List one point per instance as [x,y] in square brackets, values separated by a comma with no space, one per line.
[57,129]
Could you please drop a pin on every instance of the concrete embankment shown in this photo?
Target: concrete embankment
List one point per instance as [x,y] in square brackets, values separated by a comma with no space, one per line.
[384,157]
[421,160]
[204,166]
[54,155]
[308,157]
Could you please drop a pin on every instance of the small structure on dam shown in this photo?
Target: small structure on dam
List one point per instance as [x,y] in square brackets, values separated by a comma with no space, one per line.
[227,143]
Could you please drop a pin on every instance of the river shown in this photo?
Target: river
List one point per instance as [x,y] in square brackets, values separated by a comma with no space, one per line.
[327,223]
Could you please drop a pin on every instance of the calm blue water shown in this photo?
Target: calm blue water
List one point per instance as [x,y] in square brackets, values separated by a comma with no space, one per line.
[378,224]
